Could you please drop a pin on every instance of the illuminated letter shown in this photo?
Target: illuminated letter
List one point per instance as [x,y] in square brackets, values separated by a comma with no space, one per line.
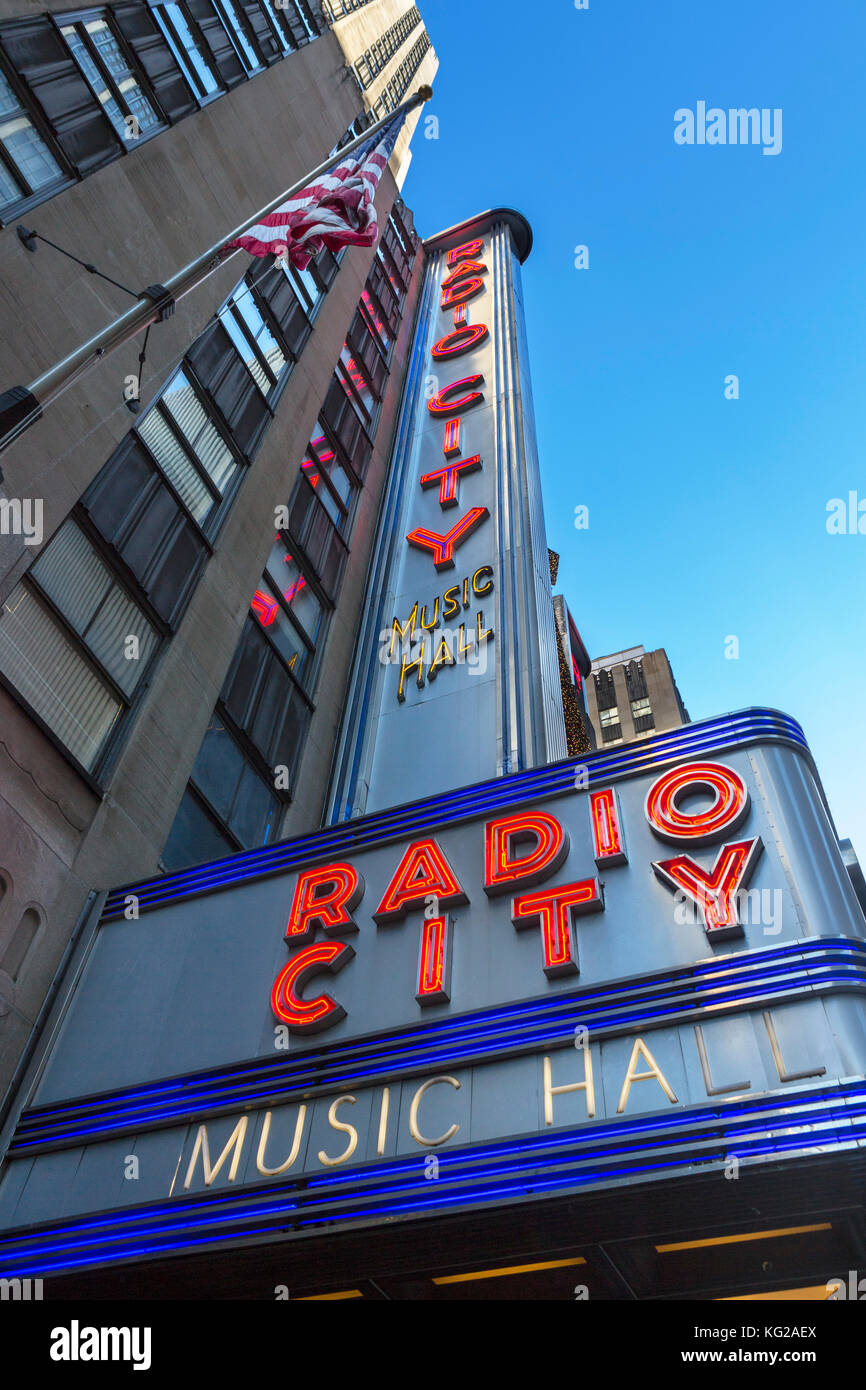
[729,808]
[405,668]
[235,1141]
[434,623]
[464,268]
[586,1085]
[606,834]
[296,1144]
[309,1015]
[458,294]
[441,405]
[714,892]
[551,909]
[345,1129]
[451,605]
[444,657]
[640,1049]
[503,869]
[451,447]
[447,478]
[458,341]
[413,1112]
[405,631]
[480,589]
[422,870]
[325,897]
[461,253]
[434,961]
[442,547]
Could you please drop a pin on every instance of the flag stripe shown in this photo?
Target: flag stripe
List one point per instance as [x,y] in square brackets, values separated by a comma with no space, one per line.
[337,210]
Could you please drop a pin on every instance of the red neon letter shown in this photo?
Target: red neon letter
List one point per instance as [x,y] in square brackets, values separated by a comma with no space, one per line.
[607,838]
[325,897]
[460,253]
[463,269]
[434,961]
[440,404]
[714,892]
[502,868]
[443,546]
[729,808]
[423,872]
[452,438]
[553,908]
[447,478]
[458,294]
[459,340]
[309,1015]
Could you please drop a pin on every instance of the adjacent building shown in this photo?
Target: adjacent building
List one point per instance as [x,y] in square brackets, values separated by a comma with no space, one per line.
[183,544]
[632,694]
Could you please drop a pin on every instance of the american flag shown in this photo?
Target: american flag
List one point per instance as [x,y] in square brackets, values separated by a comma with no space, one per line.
[337,210]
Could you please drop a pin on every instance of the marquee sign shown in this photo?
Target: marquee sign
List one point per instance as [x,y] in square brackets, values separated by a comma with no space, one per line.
[549,980]
[458,644]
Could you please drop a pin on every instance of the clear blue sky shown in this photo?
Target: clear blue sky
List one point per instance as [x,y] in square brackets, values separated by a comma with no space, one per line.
[707,516]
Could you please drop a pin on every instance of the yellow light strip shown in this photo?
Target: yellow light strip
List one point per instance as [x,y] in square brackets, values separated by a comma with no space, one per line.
[506,1270]
[813,1293]
[736,1240]
[328,1297]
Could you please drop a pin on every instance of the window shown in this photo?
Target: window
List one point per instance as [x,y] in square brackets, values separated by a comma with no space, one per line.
[263,700]
[107,70]
[190,52]
[641,713]
[608,716]
[74,644]
[227,806]
[26,161]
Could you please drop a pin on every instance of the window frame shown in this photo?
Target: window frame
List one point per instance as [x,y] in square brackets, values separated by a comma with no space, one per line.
[33,111]
[98,776]
[79,19]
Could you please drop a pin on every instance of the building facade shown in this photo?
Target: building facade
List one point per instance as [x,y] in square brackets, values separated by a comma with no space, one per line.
[513,1019]
[182,546]
[632,694]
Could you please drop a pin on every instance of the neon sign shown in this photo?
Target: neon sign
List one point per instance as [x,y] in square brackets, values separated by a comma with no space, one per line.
[522,850]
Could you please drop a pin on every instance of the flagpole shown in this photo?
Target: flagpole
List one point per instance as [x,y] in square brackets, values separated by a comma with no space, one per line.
[22,406]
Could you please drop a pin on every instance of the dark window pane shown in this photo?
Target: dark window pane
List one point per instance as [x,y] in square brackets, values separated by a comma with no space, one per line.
[218,767]
[291,734]
[194,837]
[220,46]
[244,674]
[118,489]
[256,811]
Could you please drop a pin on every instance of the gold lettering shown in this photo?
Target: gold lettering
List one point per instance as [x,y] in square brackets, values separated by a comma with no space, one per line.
[784,1074]
[346,1129]
[413,1112]
[235,1141]
[383,1120]
[705,1069]
[444,657]
[405,668]
[640,1049]
[451,605]
[482,636]
[296,1144]
[484,589]
[404,631]
[585,1085]
[428,627]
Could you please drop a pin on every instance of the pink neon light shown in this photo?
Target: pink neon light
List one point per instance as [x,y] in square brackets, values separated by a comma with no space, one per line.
[264,608]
